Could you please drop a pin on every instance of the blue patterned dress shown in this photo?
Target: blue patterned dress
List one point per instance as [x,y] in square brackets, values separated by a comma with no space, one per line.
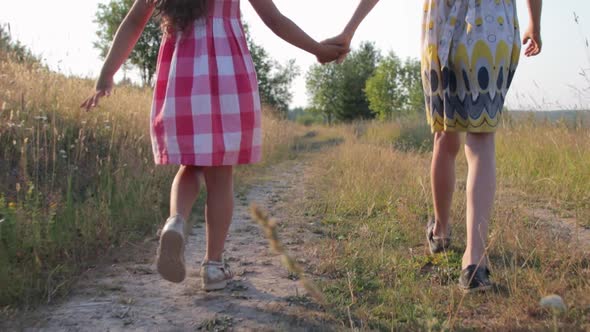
[470,51]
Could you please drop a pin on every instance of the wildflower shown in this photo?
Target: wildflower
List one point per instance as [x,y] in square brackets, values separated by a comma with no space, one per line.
[12,205]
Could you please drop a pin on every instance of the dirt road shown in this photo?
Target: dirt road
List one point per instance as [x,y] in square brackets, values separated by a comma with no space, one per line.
[129,294]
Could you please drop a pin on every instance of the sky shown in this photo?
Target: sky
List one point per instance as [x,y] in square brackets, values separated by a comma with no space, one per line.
[63,32]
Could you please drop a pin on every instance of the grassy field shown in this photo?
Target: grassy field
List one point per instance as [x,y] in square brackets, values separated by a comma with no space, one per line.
[76,185]
[373,199]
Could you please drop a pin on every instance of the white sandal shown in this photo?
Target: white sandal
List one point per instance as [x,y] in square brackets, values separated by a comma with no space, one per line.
[215,275]
[170,259]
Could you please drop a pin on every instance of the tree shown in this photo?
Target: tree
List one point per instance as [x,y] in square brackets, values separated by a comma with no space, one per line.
[145,54]
[358,68]
[396,87]
[338,91]
[274,79]
[324,89]
[413,82]
[14,48]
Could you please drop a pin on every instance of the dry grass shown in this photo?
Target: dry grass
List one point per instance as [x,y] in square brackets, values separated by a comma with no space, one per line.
[74,185]
[374,200]
[550,163]
[269,226]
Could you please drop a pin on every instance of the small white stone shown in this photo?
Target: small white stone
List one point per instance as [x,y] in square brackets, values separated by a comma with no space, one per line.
[553,302]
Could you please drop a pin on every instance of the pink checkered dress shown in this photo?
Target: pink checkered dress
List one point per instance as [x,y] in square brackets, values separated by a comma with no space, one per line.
[206,108]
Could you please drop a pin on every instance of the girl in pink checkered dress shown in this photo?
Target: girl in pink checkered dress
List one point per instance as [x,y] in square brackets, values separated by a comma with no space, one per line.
[206,111]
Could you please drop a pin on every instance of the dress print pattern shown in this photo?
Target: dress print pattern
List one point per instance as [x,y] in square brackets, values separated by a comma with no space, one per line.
[206,107]
[470,51]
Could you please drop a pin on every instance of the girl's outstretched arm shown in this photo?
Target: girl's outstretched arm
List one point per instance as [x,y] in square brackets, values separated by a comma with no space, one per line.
[363,9]
[291,33]
[532,35]
[345,38]
[125,39]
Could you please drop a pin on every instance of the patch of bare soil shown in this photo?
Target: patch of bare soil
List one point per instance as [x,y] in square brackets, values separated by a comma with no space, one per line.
[565,228]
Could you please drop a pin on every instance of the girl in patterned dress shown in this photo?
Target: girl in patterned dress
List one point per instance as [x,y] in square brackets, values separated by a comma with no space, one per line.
[206,111]
[470,50]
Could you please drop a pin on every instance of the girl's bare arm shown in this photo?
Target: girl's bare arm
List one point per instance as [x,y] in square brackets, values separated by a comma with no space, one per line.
[535,7]
[125,39]
[291,33]
[363,9]
[127,35]
[345,37]
[532,35]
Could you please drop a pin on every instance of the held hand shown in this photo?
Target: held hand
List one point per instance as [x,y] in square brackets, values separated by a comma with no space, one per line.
[104,87]
[328,53]
[532,37]
[341,40]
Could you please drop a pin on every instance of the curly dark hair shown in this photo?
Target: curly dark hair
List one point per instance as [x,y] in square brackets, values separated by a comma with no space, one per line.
[177,15]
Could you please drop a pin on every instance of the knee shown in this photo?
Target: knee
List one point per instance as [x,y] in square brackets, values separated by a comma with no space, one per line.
[481,137]
[447,143]
[218,175]
[480,141]
[190,170]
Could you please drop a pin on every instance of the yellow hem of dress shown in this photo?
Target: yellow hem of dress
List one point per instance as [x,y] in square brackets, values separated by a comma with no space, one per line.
[483,125]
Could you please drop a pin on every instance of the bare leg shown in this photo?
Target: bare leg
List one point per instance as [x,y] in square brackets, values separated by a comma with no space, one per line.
[442,173]
[480,151]
[219,208]
[170,258]
[185,190]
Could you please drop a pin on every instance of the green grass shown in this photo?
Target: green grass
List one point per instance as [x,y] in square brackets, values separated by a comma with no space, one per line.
[373,199]
[72,185]
[550,163]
